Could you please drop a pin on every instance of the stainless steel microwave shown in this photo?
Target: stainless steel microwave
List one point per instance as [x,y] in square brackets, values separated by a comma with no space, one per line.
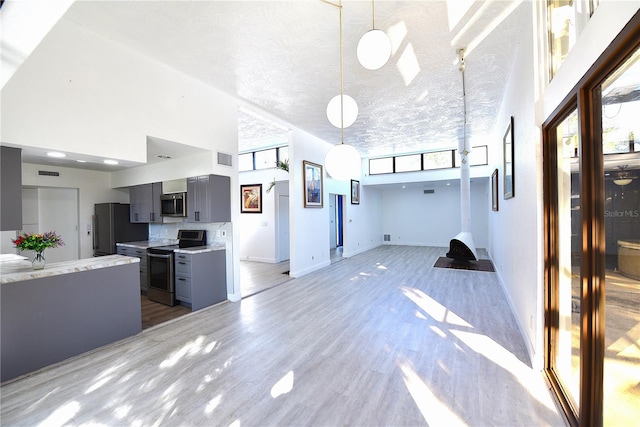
[174,204]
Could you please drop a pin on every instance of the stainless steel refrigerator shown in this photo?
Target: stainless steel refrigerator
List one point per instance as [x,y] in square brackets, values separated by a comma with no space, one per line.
[111,225]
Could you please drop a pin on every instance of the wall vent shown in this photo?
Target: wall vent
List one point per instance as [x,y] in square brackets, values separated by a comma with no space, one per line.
[429,191]
[387,237]
[48,173]
[225,159]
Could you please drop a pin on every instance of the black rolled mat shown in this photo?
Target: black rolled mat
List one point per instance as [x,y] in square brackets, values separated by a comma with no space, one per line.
[479,265]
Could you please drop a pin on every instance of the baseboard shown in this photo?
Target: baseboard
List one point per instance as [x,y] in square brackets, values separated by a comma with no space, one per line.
[258,259]
[359,251]
[428,245]
[310,269]
[523,332]
[234,297]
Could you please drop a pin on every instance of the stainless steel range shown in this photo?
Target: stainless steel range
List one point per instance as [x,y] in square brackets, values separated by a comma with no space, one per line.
[160,275]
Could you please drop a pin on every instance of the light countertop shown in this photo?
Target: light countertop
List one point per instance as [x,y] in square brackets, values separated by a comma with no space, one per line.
[146,244]
[200,249]
[17,271]
[155,243]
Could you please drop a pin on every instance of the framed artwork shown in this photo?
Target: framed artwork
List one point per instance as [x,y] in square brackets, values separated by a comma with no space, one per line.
[312,174]
[251,198]
[355,192]
[508,144]
[494,190]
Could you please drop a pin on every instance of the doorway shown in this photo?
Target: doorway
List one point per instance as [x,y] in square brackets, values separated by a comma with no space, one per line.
[53,209]
[336,226]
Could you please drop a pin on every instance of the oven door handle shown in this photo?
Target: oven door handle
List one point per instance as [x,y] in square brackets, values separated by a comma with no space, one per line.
[165,256]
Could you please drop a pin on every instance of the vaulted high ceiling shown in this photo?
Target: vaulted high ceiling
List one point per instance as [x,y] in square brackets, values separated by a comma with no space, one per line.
[283,57]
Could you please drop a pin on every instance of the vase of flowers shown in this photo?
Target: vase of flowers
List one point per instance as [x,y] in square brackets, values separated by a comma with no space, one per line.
[37,243]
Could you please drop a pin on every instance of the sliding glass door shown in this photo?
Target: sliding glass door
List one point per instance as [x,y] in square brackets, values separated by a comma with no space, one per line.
[620,112]
[592,242]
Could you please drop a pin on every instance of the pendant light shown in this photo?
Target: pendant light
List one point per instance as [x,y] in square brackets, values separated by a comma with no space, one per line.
[374,47]
[342,161]
[623,178]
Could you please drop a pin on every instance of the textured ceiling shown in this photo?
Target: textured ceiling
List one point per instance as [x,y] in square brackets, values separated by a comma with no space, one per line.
[283,57]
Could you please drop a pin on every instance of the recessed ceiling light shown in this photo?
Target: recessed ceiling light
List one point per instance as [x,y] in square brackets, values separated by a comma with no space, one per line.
[56,154]
[110,162]
[81,161]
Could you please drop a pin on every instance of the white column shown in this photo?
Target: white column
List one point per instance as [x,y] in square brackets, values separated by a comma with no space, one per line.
[465,188]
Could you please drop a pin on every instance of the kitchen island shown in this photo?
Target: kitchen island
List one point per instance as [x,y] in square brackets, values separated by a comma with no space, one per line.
[68,308]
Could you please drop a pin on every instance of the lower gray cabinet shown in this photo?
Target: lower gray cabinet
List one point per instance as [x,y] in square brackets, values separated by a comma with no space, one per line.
[200,278]
[138,253]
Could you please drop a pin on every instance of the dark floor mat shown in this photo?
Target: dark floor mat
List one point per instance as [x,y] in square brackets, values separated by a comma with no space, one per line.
[479,265]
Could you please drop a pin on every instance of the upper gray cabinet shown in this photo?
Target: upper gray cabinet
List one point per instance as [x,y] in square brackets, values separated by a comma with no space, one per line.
[11,188]
[145,203]
[209,198]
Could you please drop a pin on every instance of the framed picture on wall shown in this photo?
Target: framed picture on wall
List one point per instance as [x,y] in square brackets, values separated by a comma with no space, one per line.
[355,192]
[251,198]
[494,190]
[312,174]
[509,175]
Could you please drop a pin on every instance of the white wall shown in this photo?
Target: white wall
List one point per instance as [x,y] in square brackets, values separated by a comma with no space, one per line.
[93,187]
[24,24]
[411,217]
[363,223]
[309,226]
[257,232]
[515,229]
[82,93]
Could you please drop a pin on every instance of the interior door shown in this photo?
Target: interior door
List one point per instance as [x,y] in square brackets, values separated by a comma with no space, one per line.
[57,210]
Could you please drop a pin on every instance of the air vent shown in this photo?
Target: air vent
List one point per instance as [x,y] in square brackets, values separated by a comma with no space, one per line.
[225,159]
[429,191]
[387,237]
[48,173]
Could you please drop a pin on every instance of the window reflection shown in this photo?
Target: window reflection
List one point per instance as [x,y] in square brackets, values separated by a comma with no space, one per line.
[567,342]
[565,20]
[620,113]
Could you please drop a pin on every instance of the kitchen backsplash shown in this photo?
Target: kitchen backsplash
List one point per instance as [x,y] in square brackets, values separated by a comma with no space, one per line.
[216,232]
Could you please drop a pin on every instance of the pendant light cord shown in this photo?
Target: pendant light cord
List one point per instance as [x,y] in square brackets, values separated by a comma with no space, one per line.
[339,6]
[341,81]
[373,14]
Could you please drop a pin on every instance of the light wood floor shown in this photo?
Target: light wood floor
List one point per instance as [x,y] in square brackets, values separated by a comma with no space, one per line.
[381,338]
[257,277]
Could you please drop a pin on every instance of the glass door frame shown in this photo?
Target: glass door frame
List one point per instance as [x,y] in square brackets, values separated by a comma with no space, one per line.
[586,97]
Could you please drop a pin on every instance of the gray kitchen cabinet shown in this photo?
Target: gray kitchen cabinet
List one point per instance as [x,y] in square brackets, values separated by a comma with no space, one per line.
[11,188]
[200,278]
[145,203]
[209,199]
[138,253]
